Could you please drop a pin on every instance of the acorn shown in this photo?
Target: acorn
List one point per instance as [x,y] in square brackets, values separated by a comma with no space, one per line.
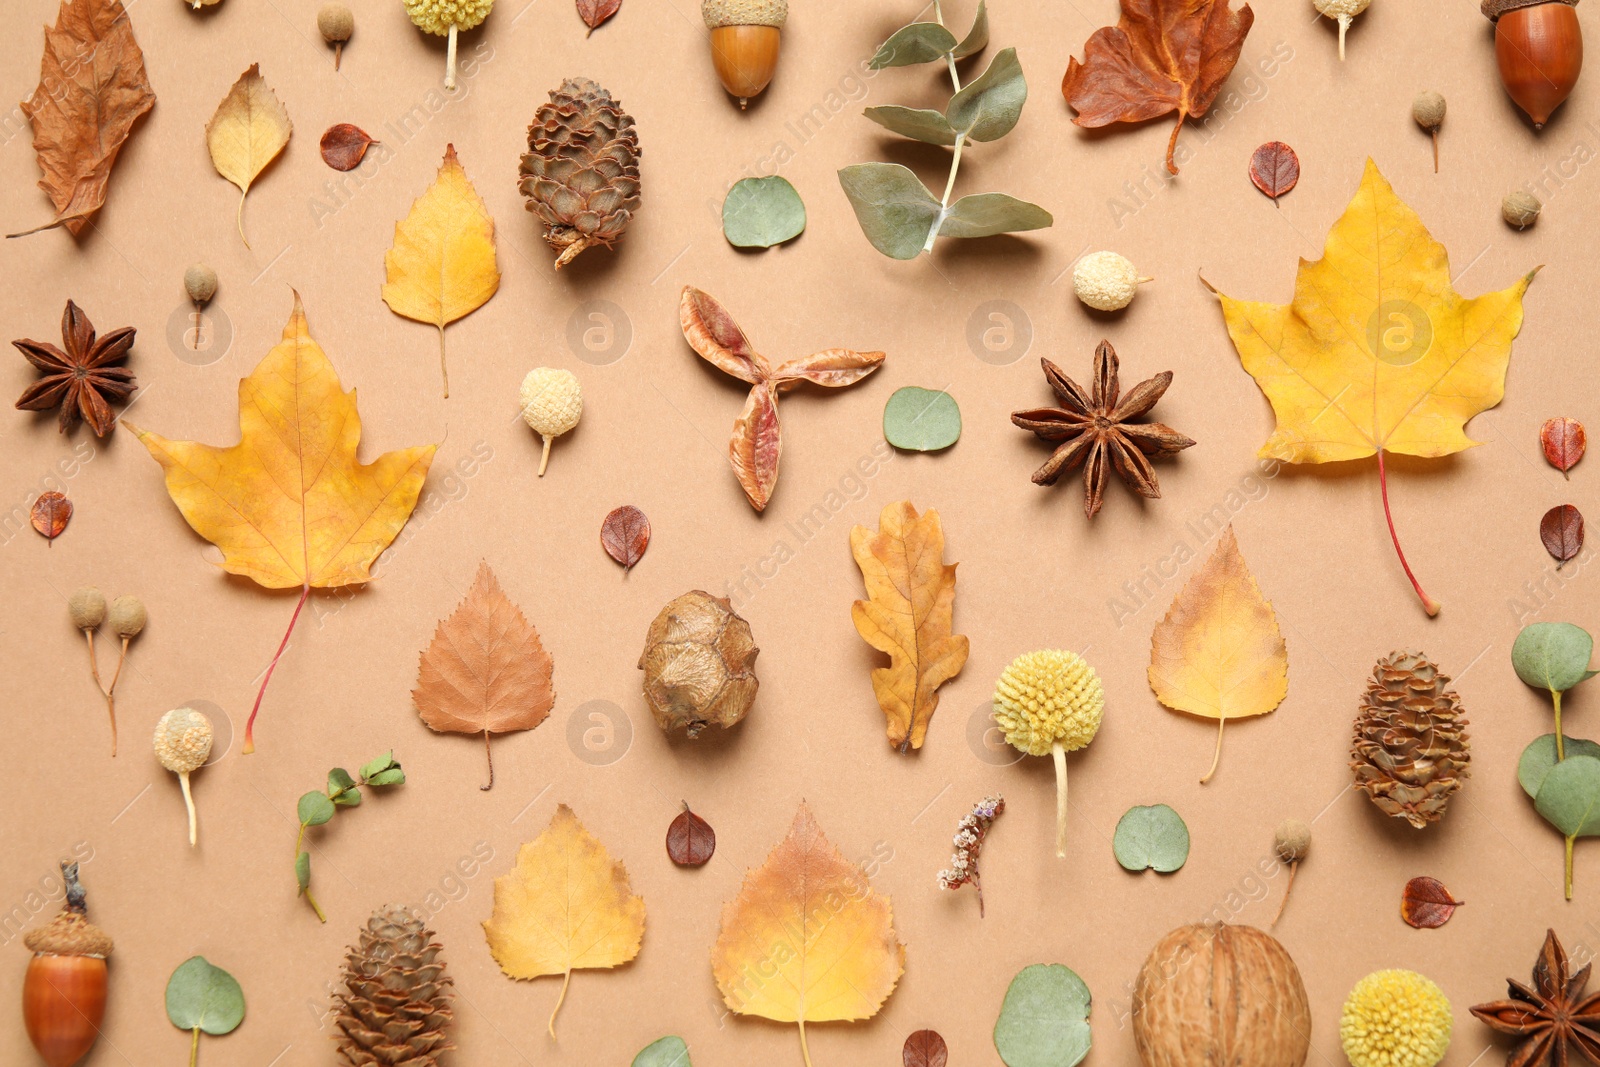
[64,991]
[744,42]
[1539,47]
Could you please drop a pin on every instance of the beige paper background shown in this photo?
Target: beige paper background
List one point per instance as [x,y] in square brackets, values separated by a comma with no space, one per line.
[1033,572]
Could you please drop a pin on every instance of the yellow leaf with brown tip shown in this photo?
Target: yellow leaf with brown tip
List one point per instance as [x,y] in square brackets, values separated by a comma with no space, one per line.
[247,132]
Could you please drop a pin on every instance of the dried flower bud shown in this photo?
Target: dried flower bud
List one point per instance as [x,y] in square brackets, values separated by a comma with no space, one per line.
[1428,109]
[200,282]
[1292,840]
[87,607]
[1520,209]
[127,616]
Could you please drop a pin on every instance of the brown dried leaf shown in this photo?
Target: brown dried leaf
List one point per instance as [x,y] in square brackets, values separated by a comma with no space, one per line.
[1561,530]
[1426,904]
[51,513]
[690,840]
[625,535]
[925,1048]
[344,146]
[1161,56]
[594,12]
[1564,440]
[1275,169]
[486,670]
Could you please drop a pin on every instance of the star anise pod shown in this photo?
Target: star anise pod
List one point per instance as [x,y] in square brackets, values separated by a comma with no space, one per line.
[1554,1020]
[80,380]
[1096,431]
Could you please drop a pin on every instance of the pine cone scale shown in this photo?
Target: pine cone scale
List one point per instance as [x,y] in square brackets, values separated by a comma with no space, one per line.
[1410,750]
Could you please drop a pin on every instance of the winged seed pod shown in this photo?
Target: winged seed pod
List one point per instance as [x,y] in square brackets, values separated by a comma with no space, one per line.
[744,42]
[183,744]
[580,174]
[1050,702]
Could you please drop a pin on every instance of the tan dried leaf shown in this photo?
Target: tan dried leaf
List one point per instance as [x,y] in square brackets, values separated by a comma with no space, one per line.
[247,132]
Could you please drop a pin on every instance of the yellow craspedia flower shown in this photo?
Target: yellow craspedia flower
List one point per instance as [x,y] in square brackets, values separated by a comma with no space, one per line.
[1048,698]
[441,16]
[1395,1019]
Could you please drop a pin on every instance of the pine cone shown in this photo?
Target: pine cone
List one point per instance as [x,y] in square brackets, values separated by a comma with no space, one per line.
[396,1007]
[1410,751]
[581,171]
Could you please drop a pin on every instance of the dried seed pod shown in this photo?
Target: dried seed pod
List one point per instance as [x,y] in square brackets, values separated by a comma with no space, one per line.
[699,664]
[183,744]
[127,616]
[1291,842]
[1520,209]
[1428,110]
[552,404]
[64,991]
[336,23]
[1538,46]
[87,607]
[1344,12]
[744,42]
[200,282]
[1106,281]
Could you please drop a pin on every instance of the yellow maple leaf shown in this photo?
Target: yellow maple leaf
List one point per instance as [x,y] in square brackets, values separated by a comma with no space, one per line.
[807,939]
[442,265]
[911,593]
[289,505]
[566,905]
[1378,352]
[1219,653]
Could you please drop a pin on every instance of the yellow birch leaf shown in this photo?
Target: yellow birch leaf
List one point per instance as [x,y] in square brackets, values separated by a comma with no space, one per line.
[911,593]
[1377,352]
[289,505]
[807,940]
[247,132]
[1218,653]
[442,265]
[566,905]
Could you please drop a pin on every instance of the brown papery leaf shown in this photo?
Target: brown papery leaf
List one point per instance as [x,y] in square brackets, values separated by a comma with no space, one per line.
[1162,56]
[1561,530]
[92,89]
[1275,169]
[486,670]
[51,513]
[594,12]
[1564,441]
[690,840]
[344,146]
[1426,904]
[925,1048]
[625,535]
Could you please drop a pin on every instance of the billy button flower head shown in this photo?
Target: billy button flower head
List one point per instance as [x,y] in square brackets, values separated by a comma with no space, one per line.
[1395,1018]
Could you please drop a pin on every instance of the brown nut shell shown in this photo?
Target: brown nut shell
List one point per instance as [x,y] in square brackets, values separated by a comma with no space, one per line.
[1539,50]
[699,664]
[63,1005]
[746,57]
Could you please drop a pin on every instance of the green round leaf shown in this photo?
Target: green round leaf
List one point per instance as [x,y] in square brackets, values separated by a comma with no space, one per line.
[340,782]
[1569,796]
[1044,1021]
[1153,837]
[762,212]
[918,123]
[314,808]
[920,42]
[894,208]
[1540,756]
[1553,655]
[664,1052]
[382,763]
[203,997]
[988,107]
[921,420]
[977,37]
[986,214]
[302,870]
[393,776]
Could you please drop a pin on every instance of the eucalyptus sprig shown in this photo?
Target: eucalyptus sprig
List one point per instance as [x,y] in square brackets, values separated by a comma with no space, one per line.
[316,808]
[898,214]
[1561,774]
[1553,656]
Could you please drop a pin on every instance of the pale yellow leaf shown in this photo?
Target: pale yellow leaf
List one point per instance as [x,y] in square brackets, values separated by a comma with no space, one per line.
[247,132]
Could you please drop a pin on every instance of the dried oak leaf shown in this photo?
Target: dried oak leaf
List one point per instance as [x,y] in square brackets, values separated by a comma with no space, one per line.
[1275,169]
[1426,904]
[92,89]
[755,447]
[485,671]
[625,534]
[911,594]
[248,130]
[839,966]
[1561,530]
[566,906]
[1161,56]
[1564,441]
[289,505]
[79,378]
[1377,352]
[50,514]
[594,12]
[925,1048]
[344,146]
[691,841]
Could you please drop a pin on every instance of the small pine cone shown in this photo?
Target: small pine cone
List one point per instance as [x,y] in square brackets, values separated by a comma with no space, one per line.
[581,172]
[395,1010]
[1411,750]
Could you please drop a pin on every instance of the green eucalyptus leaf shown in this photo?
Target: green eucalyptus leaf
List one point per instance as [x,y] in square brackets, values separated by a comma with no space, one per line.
[977,38]
[382,763]
[342,788]
[1044,1021]
[1151,836]
[920,42]
[393,776]
[988,108]
[663,1052]
[762,212]
[894,208]
[1553,655]
[203,997]
[1569,796]
[314,809]
[921,420]
[986,214]
[918,123]
[1540,756]
[302,870]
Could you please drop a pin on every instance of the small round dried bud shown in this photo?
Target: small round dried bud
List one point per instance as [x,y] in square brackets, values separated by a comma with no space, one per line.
[183,740]
[1292,840]
[87,607]
[128,616]
[1428,110]
[1106,281]
[200,282]
[336,23]
[1520,209]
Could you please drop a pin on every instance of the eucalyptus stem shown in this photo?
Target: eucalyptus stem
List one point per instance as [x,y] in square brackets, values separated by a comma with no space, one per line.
[1569,868]
[1561,748]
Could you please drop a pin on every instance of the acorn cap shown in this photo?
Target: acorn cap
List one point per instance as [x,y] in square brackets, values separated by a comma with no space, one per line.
[720,13]
[68,934]
[1493,9]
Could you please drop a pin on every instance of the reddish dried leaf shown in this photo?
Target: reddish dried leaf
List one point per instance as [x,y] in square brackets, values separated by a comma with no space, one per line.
[594,12]
[1161,56]
[1564,440]
[1561,530]
[51,513]
[1427,904]
[344,146]
[690,840]
[1275,169]
[925,1048]
[625,535]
